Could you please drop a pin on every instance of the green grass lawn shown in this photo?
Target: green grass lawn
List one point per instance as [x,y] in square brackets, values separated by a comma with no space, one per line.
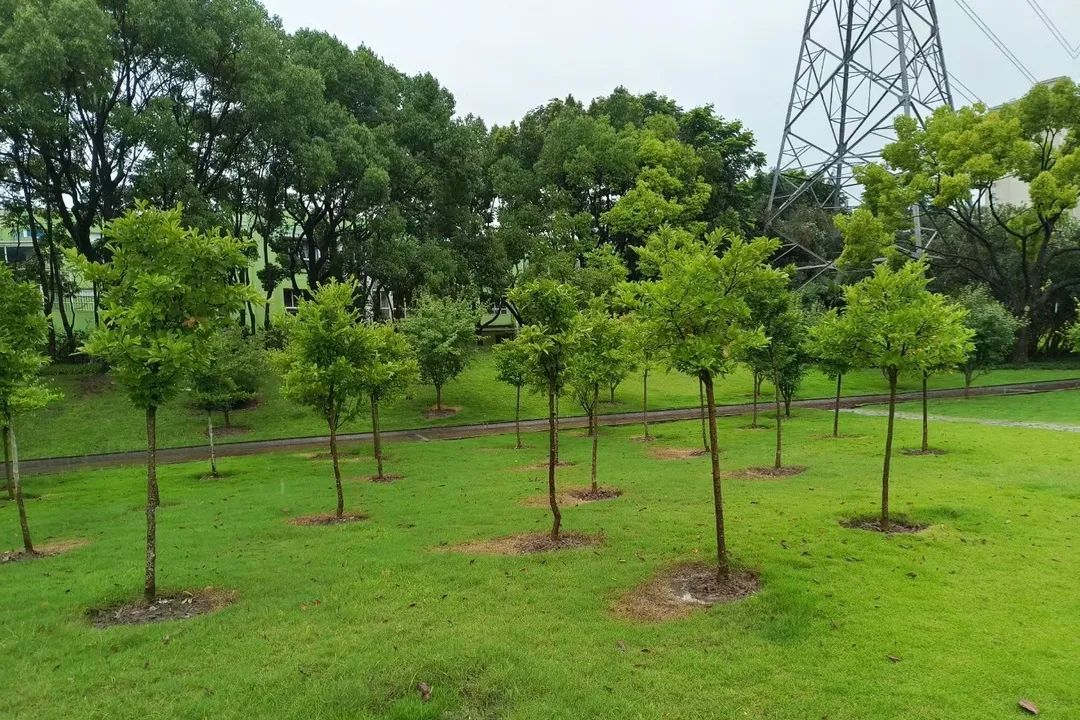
[342,622]
[95,417]
[1062,406]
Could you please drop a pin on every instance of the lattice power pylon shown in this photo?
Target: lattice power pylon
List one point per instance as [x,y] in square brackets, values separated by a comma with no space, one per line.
[862,63]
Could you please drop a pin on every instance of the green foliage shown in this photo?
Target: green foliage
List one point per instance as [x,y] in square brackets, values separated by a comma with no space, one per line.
[443,334]
[389,366]
[549,310]
[832,343]
[866,241]
[512,360]
[164,290]
[994,331]
[326,352]
[598,357]
[230,369]
[23,333]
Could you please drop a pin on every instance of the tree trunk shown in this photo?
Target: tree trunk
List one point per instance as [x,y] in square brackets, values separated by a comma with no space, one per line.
[438,398]
[595,436]
[968,377]
[757,389]
[553,459]
[7,466]
[152,500]
[925,418]
[556,428]
[337,467]
[227,423]
[12,452]
[1020,350]
[777,460]
[517,417]
[888,453]
[210,435]
[612,396]
[836,407]
[787,407]
[701,399]
[645,403]
[375,439]
[722,569]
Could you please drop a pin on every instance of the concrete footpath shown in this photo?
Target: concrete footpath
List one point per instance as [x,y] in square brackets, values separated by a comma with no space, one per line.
[454,432]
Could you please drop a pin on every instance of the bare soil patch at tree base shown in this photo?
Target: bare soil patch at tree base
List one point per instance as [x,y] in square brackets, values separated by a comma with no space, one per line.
[675,453]
[919,452]
[327,519]
[676,592]
[384,479]
[643,438]
[179,606]
[897,525]
[574,497]
[528,544]
[543,466]
[228,431]
[841,436]
[759,426]
[57,547]
[765,473]
[447,411]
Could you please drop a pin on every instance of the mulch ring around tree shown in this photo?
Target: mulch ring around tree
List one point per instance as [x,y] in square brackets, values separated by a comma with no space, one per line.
[543,466]
[574,497]
[385,478]
[765,473]
[897,524]
[841,436]
[643,438]
[676,592]
[327,519]
[528,543]
[660,452]
[57,547]
[916,452]
[759,426]
[228,431]
[179,606]
[434,413]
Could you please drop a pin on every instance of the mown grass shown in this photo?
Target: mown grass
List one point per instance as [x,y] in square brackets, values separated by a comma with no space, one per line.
[342,622]
[94,417]
[1053,407]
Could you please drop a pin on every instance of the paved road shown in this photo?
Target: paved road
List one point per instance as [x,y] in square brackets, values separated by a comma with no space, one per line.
[451,432]
[1030,424]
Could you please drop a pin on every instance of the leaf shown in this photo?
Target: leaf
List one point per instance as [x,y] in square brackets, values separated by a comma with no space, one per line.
[1028,707]
[425,691]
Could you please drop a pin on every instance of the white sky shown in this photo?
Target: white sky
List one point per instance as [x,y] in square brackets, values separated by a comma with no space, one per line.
[502,58]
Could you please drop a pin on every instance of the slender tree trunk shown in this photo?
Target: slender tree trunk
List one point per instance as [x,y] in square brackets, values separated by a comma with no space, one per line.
[556,428]
[375,439]
[152,501]
[227,422]
[836,407]
[12,452]
[611,398]
[595,437]
[757,389]
[787,406]
[888,453]
[645,403]
[7,466]
[701,400]
[210,435]
[438,398]
[517,417]
[337,467]
[925,418]
[722,569]
[553,459]
[967,383]
[779,439]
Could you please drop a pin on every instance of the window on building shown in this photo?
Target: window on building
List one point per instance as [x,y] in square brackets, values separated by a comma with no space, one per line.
[292,299]
[16,254]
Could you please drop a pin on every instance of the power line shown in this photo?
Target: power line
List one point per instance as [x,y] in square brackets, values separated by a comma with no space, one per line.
[968,94]
[1072,50]
[998,42]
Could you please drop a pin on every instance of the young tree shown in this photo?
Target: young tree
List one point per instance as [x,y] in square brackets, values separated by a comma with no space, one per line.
[648,352]
[833,351]
[548,309]
[995,331]
[597,355]
[935,360]
[228,374]
[163,290]
[784,323]
[897,324]
[697,300]
[512,367]
[443,333]
[23,333]
[388,367]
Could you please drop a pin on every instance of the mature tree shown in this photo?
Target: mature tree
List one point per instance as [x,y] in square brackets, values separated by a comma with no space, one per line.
[23,332]
[443,334]
[164,288]
[1000,185]
[228,374]
[548,309]
[388,367]
[897,325]
[597,357]
[994,330]
[833,350]
[697,301]
[512,366]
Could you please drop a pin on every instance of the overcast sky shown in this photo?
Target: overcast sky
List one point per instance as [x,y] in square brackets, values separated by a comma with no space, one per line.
[502,57]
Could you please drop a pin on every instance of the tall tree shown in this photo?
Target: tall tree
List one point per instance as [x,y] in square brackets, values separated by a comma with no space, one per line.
[896,323]
[164,288]
[443,335]
[697,300]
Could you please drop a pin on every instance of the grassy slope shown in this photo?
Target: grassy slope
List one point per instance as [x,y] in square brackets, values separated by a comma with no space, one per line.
[343,622]
[1055,407]
[94,417]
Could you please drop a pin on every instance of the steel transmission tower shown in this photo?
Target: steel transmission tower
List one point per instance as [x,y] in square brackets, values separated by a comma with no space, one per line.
[862,63]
